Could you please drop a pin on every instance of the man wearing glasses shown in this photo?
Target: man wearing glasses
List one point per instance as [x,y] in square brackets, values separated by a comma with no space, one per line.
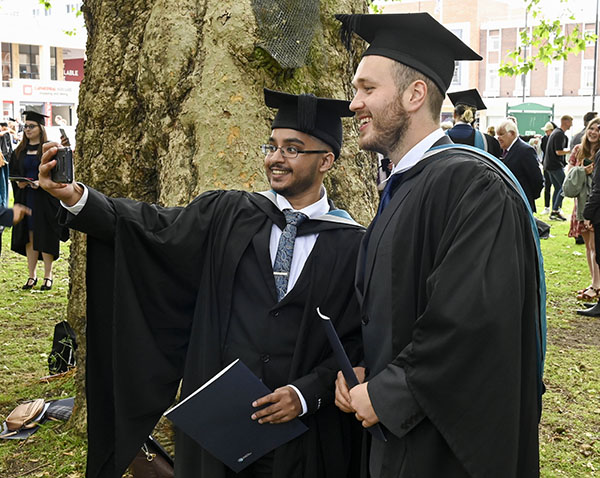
[232,275]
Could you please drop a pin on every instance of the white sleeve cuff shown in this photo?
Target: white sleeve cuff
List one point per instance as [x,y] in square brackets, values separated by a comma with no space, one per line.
[78,206]
[302,401]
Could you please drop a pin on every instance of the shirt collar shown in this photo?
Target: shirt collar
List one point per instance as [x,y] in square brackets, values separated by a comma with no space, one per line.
[314,210]
[511,144]
[418,150]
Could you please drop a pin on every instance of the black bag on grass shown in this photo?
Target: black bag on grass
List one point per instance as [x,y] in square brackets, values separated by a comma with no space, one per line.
[64,345]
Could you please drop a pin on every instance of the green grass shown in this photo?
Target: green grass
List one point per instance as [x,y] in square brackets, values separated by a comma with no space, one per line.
[570,429]
[27,319]
[569,432]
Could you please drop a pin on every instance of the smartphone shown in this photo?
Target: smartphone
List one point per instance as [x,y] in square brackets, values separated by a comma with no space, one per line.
[62,132]
[63,171]
[587,162]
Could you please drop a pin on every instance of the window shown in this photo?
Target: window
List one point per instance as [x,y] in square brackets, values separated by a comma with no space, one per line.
[457,77]
[492,81]
[590,30]
[461,69]
[493,43]
[73,7]
[6,63]
[519,85]
[53,69]
[555,79]
[587,77]
[29,62]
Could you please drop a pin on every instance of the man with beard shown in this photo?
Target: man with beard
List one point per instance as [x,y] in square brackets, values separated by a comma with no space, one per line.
[183,292]
[449,279]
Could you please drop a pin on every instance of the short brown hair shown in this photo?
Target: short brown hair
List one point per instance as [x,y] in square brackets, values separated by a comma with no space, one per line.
[566,118]
[405,75]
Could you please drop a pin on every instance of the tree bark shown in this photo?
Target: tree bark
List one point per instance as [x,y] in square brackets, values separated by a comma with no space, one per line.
[172,105]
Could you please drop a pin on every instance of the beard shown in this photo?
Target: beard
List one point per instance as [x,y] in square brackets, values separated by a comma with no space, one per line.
[388,129]
[301,181]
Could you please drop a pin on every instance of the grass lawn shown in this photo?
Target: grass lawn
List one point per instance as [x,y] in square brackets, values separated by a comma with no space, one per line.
[569,433]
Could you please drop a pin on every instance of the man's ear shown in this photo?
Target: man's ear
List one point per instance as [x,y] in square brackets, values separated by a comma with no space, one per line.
[415,96]
[326,162]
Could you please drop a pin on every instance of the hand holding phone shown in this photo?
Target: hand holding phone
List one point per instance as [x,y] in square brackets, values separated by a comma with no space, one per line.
[63,171]
[64,139]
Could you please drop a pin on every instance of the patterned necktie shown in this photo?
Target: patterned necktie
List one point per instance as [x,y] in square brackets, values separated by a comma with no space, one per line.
[504,153]
[285,251]
[388,192]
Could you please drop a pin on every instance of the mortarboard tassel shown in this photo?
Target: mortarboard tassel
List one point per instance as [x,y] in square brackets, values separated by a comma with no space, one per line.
[349,25]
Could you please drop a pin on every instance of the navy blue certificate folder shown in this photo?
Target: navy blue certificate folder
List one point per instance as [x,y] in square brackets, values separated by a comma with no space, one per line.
[217,416]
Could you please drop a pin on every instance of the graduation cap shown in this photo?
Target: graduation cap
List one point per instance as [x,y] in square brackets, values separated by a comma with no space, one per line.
[319,117]
[35,116]
[416,40]
[3,123]
[467,97]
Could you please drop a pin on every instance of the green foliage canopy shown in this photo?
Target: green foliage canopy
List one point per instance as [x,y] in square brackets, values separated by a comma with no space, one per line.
[547,35]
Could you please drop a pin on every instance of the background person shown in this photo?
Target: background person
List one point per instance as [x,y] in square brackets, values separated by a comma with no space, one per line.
[591,214]
[582,158]
[554,163]
[548,128]
[10,217]
[38,237]
[589,116]
[6,140]
[521,159]
[466,104]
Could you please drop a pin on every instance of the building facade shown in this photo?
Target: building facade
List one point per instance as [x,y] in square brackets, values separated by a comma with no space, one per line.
[492,28]
[43,54]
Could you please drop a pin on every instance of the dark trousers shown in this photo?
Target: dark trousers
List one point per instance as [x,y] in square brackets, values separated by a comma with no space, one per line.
[597,241]
[557,177]
[261,468]
[547,185]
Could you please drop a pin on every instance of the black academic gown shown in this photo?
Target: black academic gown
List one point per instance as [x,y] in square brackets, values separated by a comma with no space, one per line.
[47,233]
[162,288]
[448,281]
[463,133]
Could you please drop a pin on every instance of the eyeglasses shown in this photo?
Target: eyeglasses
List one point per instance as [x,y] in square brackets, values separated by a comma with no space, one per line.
[30,126]
[289,152]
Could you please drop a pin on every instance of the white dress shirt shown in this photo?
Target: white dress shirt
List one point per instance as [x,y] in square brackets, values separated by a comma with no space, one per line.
[303,244]
[415,155]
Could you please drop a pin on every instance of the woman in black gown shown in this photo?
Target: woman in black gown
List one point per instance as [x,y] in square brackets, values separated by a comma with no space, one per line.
[38,236]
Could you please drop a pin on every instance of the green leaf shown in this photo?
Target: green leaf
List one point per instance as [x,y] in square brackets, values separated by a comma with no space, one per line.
[544,42]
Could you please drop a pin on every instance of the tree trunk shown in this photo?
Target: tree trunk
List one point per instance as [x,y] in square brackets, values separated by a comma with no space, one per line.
[172,105]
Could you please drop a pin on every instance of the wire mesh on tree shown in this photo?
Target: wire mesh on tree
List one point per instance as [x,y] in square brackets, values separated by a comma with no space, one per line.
[286,29]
